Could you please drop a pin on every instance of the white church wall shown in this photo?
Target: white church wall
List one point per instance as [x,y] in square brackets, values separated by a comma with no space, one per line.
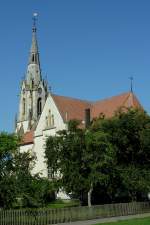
[58,121]
[26,148]
[25,125]
[43,131]
[40,165]
[39,150]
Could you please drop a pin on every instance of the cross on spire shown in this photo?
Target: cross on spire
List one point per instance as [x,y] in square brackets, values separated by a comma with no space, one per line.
[131,83]
[34,18]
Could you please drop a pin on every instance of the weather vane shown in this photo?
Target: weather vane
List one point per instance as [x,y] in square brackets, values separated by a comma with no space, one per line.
[35,16]
[131,83]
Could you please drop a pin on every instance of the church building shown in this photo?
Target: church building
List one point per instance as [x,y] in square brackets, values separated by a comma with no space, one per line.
[42,113]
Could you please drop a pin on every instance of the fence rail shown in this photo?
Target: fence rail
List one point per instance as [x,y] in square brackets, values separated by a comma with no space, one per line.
[54,216]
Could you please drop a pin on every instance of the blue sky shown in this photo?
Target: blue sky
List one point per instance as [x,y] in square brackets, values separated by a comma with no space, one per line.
[88,49]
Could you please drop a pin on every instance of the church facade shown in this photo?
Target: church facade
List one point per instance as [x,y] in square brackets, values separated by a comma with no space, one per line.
[42,113]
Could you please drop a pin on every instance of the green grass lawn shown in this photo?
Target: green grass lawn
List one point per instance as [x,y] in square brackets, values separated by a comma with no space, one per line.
[63,204]
[143,221]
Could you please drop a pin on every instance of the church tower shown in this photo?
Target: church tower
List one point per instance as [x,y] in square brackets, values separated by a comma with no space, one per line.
[34,90]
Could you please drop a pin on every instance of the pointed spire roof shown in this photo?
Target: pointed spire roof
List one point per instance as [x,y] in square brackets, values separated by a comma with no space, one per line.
[33,69]
[34,45]
[34,53]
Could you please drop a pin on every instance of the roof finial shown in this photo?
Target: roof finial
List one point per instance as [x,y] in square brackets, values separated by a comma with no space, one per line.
[35,15]
[131,83]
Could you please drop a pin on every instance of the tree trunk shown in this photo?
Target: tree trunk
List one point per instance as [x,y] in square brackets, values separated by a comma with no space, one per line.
[89,196]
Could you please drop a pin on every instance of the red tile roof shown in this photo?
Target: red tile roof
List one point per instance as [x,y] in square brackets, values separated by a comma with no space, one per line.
[28,138]
[71,108]
[109,106]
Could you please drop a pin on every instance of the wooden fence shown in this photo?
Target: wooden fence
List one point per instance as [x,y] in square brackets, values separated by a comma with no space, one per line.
[54,216]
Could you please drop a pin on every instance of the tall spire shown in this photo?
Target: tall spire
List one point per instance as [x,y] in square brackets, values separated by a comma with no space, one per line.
[34,90]
[34,54]
[34,70]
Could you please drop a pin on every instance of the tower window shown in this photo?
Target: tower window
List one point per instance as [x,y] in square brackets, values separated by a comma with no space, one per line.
[33,58]
[23,106]
[32,83]
[39,106]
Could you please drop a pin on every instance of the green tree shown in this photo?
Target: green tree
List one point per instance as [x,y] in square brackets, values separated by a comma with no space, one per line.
[8,146]
[64,158]
[81,158]
[113,153]
[100,159]
[18,187]
[129,133]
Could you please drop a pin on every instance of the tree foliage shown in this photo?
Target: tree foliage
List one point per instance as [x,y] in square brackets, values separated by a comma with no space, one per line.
[18,187]
[112,157]
[80,158]
[129,133]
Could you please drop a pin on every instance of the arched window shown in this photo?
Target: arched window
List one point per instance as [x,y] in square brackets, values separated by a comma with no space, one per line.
[33,58]
[49,118]
[23,106]
[53,122]
[46,119]
[32,83]
[39,106]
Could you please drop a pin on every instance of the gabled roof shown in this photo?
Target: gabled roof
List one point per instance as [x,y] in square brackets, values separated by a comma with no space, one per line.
[109,106]
[71,108]
[28,138]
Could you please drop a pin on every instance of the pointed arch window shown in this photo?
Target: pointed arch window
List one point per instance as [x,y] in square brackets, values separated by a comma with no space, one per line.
[49,118]
[39,106]
[35,58]
[23,106]
[53,122]
[32,57]
[32,83]
[46,119]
